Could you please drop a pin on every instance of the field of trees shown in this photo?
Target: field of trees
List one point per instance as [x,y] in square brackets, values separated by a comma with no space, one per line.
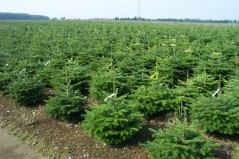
[114,79]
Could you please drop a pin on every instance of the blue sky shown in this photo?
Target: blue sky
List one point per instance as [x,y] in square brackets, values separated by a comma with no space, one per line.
[84,9]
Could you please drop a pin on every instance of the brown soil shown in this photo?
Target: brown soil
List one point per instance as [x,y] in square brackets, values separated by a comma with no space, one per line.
[57,139]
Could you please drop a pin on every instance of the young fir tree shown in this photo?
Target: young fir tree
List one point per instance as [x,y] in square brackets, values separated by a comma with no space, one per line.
[66,105]
[218,114]
[104,83]
[215,64]
[78,75]
[179,140]
[200,84]
[5,79]
[155,98]
[26,91]
[113,122]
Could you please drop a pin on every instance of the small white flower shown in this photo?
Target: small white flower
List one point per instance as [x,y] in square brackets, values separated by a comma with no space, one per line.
[173,45]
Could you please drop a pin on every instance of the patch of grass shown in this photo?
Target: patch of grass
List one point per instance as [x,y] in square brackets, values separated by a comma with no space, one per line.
[40,146]
[22,136]
[50,152]
[63,154]
[3,124]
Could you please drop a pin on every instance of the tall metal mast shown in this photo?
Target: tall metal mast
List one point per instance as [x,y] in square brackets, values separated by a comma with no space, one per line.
[139,10]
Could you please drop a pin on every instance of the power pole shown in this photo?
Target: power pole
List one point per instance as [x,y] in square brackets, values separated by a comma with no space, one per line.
[139,11]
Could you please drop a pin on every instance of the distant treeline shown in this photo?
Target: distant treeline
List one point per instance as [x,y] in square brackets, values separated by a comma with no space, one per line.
[22,16]
[181,20]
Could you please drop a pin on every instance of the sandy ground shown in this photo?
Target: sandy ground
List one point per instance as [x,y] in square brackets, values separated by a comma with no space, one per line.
[11,148]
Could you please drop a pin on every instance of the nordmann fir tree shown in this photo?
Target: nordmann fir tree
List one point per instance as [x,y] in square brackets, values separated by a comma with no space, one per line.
[179,141]
[78,75]
[200,84]
[26,90]
[5,79]
[155,98]
[67,105]
[107,80]
[112,122]
[218,114]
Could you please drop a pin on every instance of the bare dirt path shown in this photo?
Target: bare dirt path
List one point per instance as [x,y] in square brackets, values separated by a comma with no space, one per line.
[11,148]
